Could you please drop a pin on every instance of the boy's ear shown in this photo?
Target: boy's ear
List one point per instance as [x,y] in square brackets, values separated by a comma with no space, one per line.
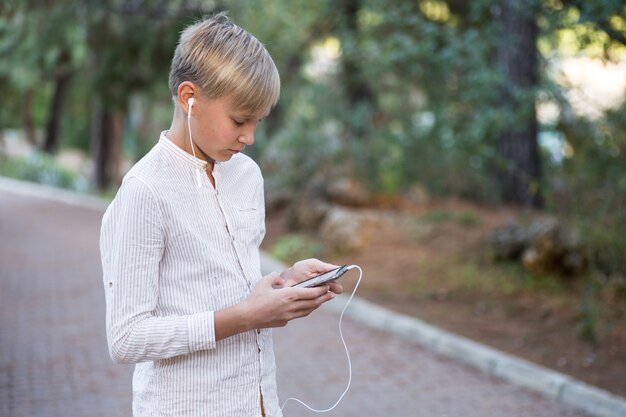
[186,91]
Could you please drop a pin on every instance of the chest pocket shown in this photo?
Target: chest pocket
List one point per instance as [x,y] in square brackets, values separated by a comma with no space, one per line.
[247,222]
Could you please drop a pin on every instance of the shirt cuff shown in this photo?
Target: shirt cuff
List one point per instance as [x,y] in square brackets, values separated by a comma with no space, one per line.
[201,332]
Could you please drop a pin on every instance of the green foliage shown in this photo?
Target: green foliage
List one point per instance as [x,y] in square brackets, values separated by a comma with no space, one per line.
[130,50]
[436,111]
[433,110]
[587,327]
[303,149]
[76,122]
[42,169]
[589,187]
[293,247]
[110,51]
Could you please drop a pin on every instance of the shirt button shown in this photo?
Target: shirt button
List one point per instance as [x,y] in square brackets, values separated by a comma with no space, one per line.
[258,331]
[110,284]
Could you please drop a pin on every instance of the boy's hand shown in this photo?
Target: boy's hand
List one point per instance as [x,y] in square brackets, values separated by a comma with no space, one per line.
[274,304]
[308,268]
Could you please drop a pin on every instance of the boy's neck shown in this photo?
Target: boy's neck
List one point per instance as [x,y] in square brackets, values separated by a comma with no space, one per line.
[177,133]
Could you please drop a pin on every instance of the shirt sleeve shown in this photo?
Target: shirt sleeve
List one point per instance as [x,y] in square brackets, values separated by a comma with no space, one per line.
[132,242]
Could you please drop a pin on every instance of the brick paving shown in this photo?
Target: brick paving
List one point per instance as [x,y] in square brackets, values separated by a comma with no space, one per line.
[54,361]
[53,355]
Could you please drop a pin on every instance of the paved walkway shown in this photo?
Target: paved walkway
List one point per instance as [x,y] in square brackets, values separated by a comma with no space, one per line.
[54,361]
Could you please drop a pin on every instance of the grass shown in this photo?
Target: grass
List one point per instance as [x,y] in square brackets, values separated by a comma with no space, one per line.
[463,276]
[507,278]
[465,218]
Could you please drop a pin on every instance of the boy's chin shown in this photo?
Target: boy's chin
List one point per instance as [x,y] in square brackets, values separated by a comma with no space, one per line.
[226,156]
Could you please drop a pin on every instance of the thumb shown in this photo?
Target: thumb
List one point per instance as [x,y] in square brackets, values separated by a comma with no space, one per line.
[275,280]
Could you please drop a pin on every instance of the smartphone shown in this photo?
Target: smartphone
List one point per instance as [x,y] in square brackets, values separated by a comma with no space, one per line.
[322,279]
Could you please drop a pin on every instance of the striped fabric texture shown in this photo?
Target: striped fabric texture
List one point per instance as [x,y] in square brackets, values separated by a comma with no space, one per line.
[174,250]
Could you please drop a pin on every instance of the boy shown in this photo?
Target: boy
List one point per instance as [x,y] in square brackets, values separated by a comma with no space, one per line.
[185,298]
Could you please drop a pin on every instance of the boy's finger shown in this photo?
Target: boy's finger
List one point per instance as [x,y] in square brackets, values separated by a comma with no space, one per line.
[336,288]
[321,266]
[311,293]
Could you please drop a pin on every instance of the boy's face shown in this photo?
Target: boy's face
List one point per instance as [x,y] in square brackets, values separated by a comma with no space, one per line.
[219,129]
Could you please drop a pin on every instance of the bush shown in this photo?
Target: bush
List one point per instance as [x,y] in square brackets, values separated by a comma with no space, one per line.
[293,247]
[42,169]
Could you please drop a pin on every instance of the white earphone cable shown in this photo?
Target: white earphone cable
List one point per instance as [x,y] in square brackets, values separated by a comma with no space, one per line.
[190,103]
[199,172]
[345,347]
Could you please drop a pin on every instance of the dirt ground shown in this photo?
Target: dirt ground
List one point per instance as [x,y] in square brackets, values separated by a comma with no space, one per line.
[444,277]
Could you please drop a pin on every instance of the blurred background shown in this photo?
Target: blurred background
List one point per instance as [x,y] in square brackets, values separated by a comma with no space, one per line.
[470,155]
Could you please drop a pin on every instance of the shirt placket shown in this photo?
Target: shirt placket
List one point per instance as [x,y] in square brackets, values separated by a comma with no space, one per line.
[231,232]
[230,228]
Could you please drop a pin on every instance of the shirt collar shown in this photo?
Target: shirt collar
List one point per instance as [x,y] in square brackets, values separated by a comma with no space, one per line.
[180,153]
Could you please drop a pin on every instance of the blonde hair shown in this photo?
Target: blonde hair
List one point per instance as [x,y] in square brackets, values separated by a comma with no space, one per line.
[225,60]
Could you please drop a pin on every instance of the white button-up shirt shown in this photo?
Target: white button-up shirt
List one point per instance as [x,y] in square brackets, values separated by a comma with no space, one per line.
[175,250]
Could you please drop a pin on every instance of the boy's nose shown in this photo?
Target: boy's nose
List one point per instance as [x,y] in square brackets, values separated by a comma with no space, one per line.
[247,138]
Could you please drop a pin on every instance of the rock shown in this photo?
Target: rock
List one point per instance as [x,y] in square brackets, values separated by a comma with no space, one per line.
[542,253]
[307,214]
[558,248]
[276,200]
[308,209]
[555,247]
[532,261]
[575,262]
[417,194]
[348,192]
[345,231]
[545,246]
[509,241]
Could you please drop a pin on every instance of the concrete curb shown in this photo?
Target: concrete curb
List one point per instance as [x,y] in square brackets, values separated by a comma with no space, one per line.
[33,189]
[551,384]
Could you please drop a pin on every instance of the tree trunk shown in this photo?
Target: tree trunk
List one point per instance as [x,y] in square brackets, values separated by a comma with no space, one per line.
[27,118]
[359,94]
[3,146]
[106,135]
[519,164]
[62,82]
[357,90]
